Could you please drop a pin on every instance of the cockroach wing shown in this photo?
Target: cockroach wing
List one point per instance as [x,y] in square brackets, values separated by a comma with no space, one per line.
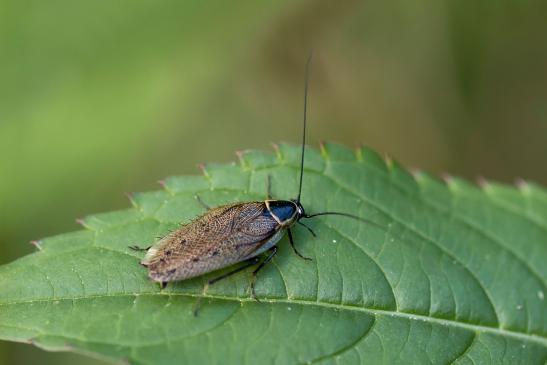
[221,237]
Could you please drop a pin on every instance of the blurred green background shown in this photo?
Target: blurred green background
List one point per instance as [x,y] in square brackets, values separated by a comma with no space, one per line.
[98,98]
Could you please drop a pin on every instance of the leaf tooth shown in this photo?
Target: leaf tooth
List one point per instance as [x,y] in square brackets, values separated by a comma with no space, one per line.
[203,168]
[359,152]
[165,186]
[482,182]
[522,185]
[388,161]
[323,149]
[132,200]
[244,164]
[415,172]
[37,244]
[392,164]
[277,151]
[447,178]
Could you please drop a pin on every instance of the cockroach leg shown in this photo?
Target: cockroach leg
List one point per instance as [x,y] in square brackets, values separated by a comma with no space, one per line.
[163,284]
[308,228]
[137,248]
[273,252]
[198,198]
[269,186]
[250,262]
[294,248]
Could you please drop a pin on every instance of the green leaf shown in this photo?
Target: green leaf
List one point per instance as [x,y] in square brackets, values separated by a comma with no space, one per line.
[458,274]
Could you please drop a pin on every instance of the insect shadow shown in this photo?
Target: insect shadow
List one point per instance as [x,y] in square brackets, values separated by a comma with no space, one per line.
[233,233]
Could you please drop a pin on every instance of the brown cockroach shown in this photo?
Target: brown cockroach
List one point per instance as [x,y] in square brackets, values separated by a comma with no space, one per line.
[231,234]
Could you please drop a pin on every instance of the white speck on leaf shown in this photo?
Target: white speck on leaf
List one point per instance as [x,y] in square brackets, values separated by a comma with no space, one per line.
[519,307]
[541,296]
[333,241]
[289,308]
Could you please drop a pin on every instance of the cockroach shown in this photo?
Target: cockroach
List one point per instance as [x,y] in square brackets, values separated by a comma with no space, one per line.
[232,233]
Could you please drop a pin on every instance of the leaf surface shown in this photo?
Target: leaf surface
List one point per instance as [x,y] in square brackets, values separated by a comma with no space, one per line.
[458,275]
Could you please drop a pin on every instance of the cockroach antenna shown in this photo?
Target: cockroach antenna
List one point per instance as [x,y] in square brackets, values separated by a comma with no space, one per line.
[306,78]
[302,153]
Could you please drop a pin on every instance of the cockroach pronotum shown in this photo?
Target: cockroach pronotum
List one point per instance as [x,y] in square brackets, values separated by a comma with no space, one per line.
[232,233]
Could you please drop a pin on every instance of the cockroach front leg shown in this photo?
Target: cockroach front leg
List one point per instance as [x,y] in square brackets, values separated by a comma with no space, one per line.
[294,247]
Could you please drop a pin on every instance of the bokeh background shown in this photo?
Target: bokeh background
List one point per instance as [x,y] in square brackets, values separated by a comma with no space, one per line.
[98,98]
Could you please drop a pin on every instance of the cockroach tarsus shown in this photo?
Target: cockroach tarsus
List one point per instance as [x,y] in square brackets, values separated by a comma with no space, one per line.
[232,233]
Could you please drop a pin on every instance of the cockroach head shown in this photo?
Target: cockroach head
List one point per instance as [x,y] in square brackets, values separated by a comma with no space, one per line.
[300,212]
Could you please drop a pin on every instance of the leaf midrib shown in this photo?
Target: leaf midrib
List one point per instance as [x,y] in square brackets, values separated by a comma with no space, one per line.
[410,316]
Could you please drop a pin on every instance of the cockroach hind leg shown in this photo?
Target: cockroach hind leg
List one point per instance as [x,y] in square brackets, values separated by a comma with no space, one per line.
[197,305]
[273,252]
[200,201]
[139,249]
[250,262]
[163,284]
[253,294]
